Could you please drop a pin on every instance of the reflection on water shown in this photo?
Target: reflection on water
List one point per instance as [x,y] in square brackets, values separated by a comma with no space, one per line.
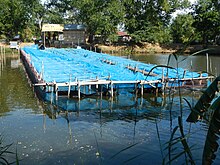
[126,129]
[194,63]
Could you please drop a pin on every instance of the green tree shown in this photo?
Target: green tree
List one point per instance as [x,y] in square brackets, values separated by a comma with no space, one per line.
[100,17]
[149,20]
[56,11]
[207,19]
[182,30]
[15,16]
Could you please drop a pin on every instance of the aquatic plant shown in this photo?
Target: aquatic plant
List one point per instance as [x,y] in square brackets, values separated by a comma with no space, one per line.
[202,106]
[207,107]
[4,152]
[198,112]
[170,146]
[204,102]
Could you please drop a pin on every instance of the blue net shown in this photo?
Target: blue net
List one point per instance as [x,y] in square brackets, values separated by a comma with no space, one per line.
[60,64]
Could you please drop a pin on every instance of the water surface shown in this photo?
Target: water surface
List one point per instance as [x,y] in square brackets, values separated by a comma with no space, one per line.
[126,129]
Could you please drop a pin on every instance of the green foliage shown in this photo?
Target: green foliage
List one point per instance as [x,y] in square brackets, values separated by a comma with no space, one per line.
[211,143]
[149,20]
[174,141]
[204,102]
[100,17]
[207,20]
[182,29]
[145,21]
[15,16]
[113,38]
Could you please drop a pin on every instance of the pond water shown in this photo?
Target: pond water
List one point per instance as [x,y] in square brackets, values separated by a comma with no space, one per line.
[123,130]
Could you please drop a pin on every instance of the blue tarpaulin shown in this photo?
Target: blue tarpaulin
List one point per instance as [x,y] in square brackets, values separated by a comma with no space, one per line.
[60,64]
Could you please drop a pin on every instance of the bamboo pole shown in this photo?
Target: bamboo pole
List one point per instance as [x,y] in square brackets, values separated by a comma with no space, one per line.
[56,92]
[142,89]
[69,87]
[112,94]
[78,89]
[44,39]
[97,86]
[207,62]
[51,96]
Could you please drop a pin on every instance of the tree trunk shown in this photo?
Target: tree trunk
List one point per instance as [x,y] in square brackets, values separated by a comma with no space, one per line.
[91,38]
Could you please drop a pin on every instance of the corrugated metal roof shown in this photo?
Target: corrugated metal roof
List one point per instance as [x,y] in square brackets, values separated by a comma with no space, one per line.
[74,27]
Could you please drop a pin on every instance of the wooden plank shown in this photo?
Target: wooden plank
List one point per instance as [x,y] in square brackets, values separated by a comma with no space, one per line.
[135,69]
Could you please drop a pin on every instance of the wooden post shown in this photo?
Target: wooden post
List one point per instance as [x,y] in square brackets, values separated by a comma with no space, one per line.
[51,96]
[112,101]
[44,39]
[156,89]
[200,81]
[142,88]
[69,87]
[207,62]
[210,66]
[112,94]
[75,81]
[163,85]
[97,86]
[42,71]
[136,88]
[78,89]
[56,89]
[101,91]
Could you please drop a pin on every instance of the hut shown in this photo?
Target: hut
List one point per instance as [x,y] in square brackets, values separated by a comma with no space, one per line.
[52,34]
[74,34]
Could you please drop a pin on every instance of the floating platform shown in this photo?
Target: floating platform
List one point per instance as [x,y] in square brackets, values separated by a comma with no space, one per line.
[80,73]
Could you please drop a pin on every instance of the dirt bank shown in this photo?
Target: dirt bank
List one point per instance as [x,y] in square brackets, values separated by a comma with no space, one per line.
[146,48]
[157,48]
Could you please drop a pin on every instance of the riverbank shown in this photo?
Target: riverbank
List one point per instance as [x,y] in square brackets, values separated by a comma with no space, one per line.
[148,48]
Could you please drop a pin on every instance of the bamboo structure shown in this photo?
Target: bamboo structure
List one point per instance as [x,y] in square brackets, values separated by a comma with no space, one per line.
[38,81]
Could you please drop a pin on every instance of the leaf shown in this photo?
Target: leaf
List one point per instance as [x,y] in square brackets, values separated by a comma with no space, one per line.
[17,159]
[188,103]
[158,66]
[123,150]
[212,138]
[177,156]
[194,54]
[204,101]
[132,158]
[184,142]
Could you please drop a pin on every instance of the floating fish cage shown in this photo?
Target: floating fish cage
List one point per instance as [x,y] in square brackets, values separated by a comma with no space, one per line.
[81,73]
